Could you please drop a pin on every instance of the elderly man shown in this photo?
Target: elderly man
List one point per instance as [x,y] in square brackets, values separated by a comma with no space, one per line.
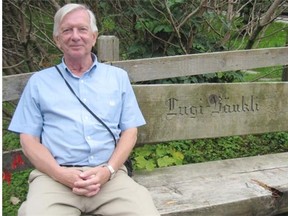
[79,157]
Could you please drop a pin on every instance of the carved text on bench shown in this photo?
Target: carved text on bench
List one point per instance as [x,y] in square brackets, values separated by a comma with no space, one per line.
[217,105]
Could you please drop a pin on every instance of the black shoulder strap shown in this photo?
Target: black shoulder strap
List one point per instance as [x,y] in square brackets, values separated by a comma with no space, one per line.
[93,114]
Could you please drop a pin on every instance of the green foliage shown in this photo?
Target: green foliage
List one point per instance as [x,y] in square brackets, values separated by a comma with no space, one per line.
[151,156]
[17,190]
[194,151]
[11,141]
[145,28]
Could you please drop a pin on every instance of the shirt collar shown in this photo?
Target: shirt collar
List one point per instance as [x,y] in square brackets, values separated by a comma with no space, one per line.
[89,71]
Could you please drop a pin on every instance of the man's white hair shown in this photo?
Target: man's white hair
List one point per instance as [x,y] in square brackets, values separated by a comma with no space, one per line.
[63,11]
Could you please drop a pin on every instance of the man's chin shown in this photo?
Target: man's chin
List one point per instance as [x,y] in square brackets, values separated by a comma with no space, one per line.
[76,54]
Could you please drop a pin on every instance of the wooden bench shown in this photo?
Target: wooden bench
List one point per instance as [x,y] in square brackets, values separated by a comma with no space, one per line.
[244,186]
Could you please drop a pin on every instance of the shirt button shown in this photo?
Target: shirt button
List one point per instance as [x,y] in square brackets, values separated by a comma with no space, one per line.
[84,99]
[88,138]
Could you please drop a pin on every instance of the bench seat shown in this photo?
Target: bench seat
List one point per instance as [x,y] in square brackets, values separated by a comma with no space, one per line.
[227,187]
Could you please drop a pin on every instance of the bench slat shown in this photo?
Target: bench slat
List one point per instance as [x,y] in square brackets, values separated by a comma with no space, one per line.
[195,64]
[192,111]
[220,187]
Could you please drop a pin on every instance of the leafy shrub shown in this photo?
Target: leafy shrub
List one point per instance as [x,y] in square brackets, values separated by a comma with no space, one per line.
[14,193]
[194,151]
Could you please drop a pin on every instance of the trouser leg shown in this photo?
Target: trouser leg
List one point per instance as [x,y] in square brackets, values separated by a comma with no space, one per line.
[47,197]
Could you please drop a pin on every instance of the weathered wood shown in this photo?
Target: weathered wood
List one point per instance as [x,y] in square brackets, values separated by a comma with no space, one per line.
[175,66]
[285,67]
[175,112]
[220,188]
[195,64]
[13,86]
[107,48]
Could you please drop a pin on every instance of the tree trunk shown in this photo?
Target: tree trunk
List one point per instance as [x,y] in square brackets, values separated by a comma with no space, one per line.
[267,18]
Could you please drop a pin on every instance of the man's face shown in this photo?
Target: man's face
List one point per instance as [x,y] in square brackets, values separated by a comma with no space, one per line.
[75,37]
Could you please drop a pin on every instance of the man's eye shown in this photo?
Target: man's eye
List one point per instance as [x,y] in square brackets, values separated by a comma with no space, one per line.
[83,29]
[66,30]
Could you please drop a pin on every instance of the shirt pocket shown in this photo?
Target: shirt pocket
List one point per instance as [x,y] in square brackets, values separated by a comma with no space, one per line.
[108,106]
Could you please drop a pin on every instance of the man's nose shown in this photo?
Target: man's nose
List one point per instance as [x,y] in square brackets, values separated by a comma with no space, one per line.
[75,34]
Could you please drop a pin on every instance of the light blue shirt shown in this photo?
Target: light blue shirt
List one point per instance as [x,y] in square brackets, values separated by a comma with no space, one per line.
[48,110]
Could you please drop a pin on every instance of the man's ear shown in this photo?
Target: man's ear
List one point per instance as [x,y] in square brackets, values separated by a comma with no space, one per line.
[56,39]
[95,36]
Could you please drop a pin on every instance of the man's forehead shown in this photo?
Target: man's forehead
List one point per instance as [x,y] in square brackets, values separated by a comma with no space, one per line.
[77,13]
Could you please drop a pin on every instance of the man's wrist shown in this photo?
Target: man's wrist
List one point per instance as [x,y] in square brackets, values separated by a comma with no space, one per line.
[111,170]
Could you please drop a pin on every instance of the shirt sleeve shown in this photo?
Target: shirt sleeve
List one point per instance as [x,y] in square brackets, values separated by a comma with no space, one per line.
[27,117]
[131,115]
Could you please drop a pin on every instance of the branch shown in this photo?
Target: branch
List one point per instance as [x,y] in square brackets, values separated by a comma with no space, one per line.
[193,13]
[13,66]
[269,15]
[176,29]
[55,4]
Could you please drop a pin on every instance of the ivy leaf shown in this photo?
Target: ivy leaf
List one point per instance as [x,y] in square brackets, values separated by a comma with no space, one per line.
[140,162]
[165,161]
[178,157]
[143,163]
[161,151]
[150,165]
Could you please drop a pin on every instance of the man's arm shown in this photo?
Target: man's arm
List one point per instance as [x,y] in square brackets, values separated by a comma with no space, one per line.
[42,159]
[124,147]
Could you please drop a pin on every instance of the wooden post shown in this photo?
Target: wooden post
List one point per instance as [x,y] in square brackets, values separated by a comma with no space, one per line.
[108,48]
[285,67]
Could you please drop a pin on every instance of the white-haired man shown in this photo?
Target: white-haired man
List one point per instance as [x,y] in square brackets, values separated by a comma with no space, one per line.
[78,161]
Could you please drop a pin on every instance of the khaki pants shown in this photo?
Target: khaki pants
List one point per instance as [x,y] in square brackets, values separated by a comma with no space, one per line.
[121,196]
